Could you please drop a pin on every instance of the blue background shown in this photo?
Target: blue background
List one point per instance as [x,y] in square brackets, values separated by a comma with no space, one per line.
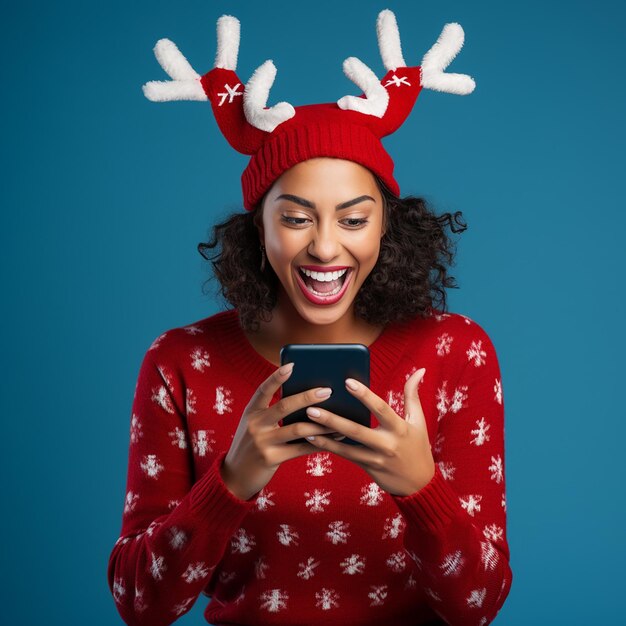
[105,196]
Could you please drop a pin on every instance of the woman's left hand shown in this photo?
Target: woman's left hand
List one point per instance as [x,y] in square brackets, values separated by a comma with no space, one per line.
[396,454]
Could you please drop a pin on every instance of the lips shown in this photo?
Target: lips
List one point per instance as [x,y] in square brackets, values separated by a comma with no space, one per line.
[315,299]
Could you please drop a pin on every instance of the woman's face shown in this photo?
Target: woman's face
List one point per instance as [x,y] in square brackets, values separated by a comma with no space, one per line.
[324,213]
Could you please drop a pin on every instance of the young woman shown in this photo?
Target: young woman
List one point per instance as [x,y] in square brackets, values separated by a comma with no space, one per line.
[410,526]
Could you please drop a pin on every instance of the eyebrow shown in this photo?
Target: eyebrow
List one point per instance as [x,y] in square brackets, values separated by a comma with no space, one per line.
[311,205]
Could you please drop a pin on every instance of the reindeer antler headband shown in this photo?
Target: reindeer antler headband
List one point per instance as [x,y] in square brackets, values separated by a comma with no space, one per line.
[280,136]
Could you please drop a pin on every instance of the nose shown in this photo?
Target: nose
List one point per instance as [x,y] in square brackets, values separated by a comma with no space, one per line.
[324,244]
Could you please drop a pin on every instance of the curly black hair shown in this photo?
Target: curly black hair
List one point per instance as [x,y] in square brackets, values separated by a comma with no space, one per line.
[409,278]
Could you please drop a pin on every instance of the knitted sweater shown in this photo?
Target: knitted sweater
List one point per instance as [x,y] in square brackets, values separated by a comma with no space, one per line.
[321,542]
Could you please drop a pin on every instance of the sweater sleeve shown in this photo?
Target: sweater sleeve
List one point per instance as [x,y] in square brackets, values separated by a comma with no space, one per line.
[456,524]
[174,531]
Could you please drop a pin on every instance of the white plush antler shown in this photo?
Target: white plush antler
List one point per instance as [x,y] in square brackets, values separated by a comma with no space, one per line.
[436,60]
[255,97]
[186,81]
[377,97]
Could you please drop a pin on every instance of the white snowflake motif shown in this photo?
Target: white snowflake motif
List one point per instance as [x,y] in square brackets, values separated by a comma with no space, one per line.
[493,532]
[178,538]
[168,379]
[123,540]
[157,566]
[354,564]
[395,399]
[226,577]
[274,600]
[118,589]
[394,526]
[441,316]
[433,594]
[480,432]
[319,464]
[466,319]
[201,441]
[190,402]
[184,606]
[241,595]
[307,568]
[452,564]
[152,527]
[151,465]
[489,555]
[161,396]
[260,566]
[372,494]
[264,500]
[497,388]
[338,532]
[317,500]
[138,603]
[438,445]
[483,621]
[477,597]
[416,559]
[476,353]
[157,341]
[410,582]
[172,504]
[136,431]
[447,469]
[287,535]
[503,502]
[230,93]
[378,595]
[452,404]
[397,561]
[443,344]
[192,330]
[131,502]
[326,599]
[200,359]
[195,571]
[496,469]
[223,400]
[179,438]
[397,81]
[472,504]
[242,542]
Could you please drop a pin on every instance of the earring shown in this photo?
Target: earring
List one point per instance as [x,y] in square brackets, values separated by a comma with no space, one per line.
[262,257]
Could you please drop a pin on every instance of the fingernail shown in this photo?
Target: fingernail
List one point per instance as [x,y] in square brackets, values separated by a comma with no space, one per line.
[324,392]
[286,369]
[311,437]
[312,411]
[352,384]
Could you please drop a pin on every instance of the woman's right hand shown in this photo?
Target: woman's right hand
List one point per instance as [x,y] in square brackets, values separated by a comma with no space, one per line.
[260,445]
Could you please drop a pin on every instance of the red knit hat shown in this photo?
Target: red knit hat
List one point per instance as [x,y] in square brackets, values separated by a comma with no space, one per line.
[281,136]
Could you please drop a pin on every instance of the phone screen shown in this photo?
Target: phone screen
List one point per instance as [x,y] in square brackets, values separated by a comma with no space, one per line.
[327,365]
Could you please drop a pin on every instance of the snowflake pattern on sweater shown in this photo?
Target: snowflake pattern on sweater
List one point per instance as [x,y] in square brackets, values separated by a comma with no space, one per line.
[321,540]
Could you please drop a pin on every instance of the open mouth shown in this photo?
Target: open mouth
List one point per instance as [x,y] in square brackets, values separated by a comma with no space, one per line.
[326,288]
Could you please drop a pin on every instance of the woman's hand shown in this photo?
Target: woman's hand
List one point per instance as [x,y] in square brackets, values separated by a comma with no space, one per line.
[260,445]
[397,454]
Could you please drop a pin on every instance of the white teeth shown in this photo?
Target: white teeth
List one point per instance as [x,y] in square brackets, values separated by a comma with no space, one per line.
[324,276]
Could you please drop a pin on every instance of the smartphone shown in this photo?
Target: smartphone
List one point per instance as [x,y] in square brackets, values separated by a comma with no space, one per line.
[327,365]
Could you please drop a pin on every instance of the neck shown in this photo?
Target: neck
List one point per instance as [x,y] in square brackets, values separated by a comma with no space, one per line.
[288,326]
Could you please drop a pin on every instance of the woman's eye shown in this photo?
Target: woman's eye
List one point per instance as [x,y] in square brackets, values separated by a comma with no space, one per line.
[293,220]
[358,221]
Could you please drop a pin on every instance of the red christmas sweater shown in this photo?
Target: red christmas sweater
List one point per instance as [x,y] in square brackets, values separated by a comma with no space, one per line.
[321,542]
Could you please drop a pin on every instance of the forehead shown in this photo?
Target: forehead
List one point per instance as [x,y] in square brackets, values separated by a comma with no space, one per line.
[326,178]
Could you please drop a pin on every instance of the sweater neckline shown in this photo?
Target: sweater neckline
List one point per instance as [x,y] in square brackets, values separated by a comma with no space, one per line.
[385,351]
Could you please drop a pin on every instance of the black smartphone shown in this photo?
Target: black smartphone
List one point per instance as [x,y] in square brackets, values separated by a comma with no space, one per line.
[327,365]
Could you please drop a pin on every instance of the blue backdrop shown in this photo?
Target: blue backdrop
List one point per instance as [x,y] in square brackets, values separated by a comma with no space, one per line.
[105,196]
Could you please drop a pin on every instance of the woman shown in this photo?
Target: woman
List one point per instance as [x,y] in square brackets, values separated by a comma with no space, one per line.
[408,528]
